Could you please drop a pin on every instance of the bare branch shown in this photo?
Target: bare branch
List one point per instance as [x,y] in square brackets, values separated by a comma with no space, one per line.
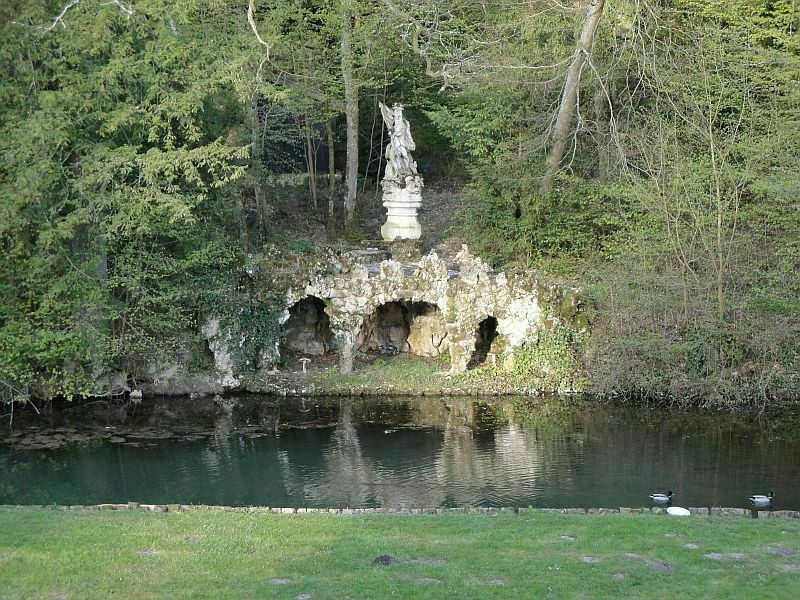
[123,6]
[251,19]
[59,18]
[418,31]
[528,67]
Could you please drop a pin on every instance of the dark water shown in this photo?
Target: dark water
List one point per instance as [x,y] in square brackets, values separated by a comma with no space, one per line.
[401,453]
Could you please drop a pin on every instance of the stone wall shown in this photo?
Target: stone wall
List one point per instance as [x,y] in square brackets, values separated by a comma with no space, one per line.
[418,304]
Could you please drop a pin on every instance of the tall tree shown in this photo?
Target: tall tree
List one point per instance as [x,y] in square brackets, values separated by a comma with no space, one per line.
[351,112]
[569,97]
[117,145]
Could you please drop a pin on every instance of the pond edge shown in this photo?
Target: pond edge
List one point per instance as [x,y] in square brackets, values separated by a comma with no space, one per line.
[254,510]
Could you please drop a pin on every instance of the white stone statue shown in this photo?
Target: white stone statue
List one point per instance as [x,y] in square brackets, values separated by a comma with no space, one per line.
[401,183]
[399,163]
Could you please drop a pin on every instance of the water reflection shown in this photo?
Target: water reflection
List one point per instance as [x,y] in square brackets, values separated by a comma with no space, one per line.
[401,453]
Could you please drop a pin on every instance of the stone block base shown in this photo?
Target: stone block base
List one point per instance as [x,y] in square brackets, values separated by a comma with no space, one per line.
[401,215]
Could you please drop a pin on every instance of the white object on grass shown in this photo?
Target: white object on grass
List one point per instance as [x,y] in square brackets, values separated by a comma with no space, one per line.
[678,511]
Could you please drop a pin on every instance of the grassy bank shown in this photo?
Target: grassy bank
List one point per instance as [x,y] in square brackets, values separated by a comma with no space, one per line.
[403,374]
[409,375]
[135,554]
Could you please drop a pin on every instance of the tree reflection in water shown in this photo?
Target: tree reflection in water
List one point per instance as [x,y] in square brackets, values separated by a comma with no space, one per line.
[420,452]
[472,463]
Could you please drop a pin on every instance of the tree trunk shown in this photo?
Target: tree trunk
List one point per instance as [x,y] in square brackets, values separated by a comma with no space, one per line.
[311,160]
[331,180]
[351,114]
[255,167]
[602,128]
[569,97]
[345,343]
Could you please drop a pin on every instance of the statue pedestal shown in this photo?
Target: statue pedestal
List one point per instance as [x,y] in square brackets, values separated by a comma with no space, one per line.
[401,214]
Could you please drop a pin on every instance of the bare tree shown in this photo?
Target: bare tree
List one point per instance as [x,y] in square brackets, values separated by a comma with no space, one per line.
[569,97]
[687,165]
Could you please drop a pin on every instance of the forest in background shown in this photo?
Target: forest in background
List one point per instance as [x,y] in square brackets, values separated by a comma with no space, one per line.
[646,150]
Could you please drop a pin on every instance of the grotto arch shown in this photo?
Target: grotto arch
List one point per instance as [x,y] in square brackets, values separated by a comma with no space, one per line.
[403,326]
[485,334]
[307,331]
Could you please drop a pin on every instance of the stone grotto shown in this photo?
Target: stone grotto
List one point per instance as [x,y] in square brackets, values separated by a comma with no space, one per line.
[367,301]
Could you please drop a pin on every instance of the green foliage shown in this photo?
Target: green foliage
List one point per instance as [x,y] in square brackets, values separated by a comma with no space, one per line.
[201,360]
[443,359]
[499,122]
[135,151]
[114,186]
[644,345]
[678,205]
[254,329]
[509,226]
[702,298]
[552,363]
[300,246]
[768,23]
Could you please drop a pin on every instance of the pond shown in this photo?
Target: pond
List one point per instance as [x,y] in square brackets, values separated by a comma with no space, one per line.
[373,452]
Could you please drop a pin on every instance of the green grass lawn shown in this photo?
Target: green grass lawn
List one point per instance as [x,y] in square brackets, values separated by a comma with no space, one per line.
[136,554]
[403,371]
[408,374]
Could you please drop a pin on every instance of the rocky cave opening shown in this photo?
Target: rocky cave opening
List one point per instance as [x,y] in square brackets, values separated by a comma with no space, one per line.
[308,329]
[484,336]
[404,326]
